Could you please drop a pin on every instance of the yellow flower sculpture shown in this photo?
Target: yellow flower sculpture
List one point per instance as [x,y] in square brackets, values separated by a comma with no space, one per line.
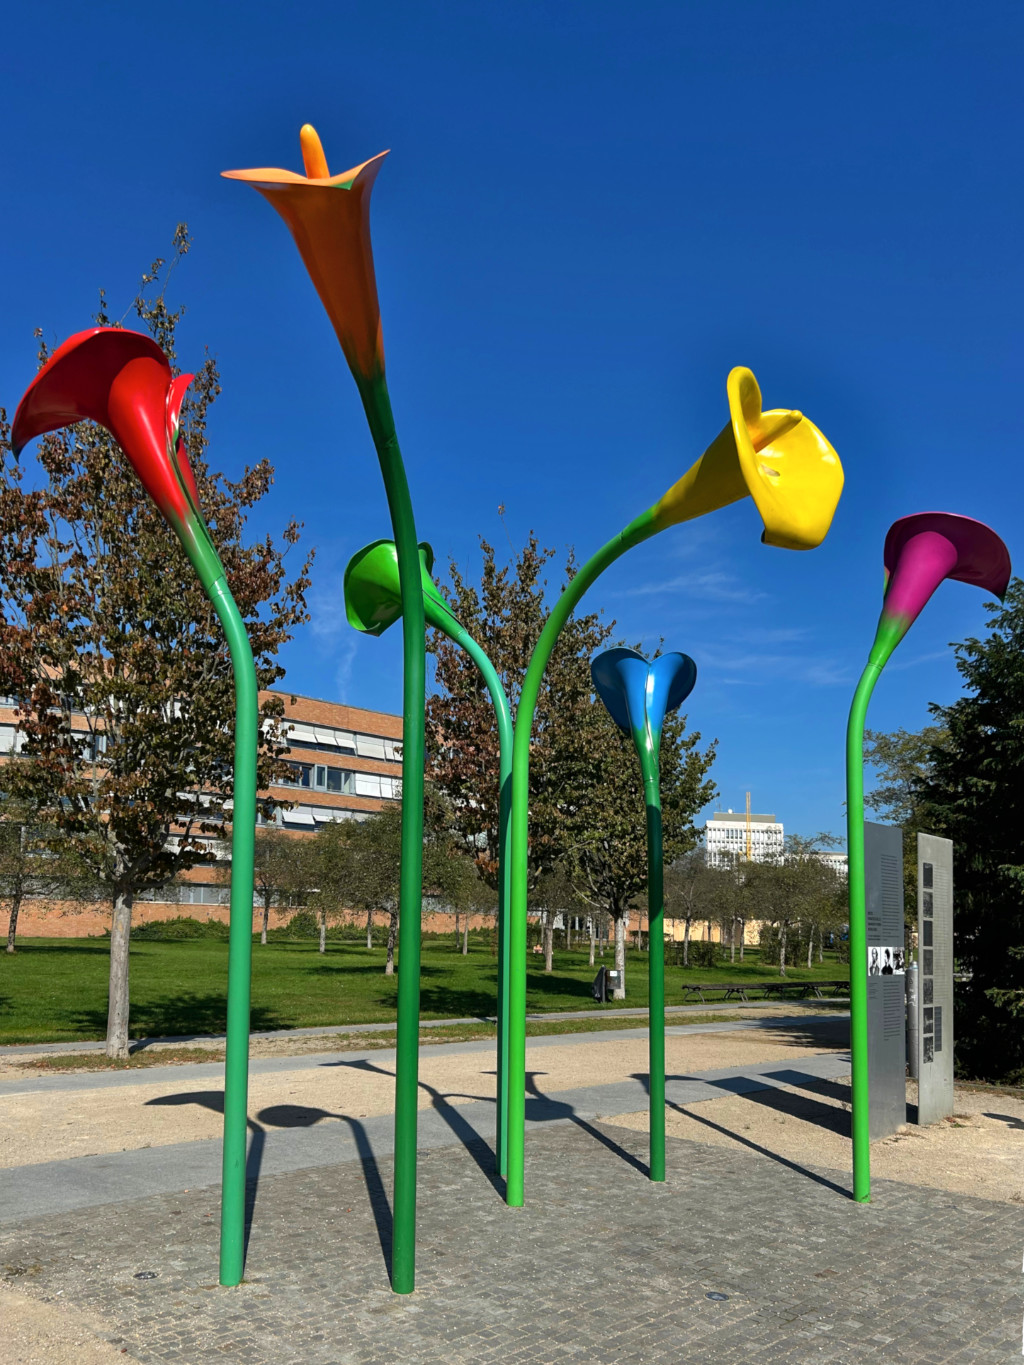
[779,458]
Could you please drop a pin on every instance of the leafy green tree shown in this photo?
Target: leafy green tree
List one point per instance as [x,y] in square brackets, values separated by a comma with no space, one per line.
[281,872]
[800,892]
[506,613]
[605,818]
[356,864]
[30,864]
[102,617]
[973,793]
[696,890]
[330,864]
[901,759]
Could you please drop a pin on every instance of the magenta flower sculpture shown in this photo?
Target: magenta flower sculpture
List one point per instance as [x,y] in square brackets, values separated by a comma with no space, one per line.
[920,552]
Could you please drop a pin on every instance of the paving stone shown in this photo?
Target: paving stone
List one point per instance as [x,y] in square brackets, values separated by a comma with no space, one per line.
[600,1266]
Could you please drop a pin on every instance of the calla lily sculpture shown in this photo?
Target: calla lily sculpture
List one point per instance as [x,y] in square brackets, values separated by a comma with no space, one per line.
[123,381]
[638,695]
[329,219]
[920,552]
[373,602]
[783,462]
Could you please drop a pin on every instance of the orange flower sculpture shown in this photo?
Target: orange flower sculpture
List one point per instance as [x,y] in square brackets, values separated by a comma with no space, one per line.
[329,217]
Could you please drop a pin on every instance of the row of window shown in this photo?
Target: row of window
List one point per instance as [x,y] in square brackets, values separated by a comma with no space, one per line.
[329,739]
[13,740]
[325,738]
[319,777]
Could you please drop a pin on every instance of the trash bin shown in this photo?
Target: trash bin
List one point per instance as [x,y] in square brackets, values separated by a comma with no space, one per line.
[599,990]
[613,981]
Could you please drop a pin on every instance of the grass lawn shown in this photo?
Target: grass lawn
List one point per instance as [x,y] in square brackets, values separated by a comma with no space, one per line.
[55,990]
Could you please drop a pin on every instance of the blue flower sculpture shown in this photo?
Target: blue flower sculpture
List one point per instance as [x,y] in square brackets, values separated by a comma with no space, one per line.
[639,695]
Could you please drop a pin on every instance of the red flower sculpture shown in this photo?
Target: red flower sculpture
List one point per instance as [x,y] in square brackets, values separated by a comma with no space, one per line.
[123,381]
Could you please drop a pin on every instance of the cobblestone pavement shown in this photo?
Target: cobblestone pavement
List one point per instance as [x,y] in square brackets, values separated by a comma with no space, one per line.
[601,1266]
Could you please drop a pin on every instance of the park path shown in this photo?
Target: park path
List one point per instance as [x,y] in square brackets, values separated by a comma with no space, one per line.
[61,1116]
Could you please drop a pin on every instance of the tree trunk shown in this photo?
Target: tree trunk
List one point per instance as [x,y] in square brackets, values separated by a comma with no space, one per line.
[389,965]
[323,931]
[743,935]
[465,936]
[266,918]
[821,951]
[369,930]
[118,999]
[732,939]
[686,942]
[456,931]
[12,924]
[549,940]
[810,949]
[619,993]
[593,937]
[782,949]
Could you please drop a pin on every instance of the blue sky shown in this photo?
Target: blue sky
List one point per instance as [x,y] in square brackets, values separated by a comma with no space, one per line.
[591,212]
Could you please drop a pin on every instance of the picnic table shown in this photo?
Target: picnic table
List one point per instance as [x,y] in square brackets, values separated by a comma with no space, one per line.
[766,990]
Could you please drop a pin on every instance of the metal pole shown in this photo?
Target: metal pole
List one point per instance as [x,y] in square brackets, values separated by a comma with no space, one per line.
[913,1020]
[638,530]
[503,717]
[858,931]
[243,833]
[655,977]
[377,404]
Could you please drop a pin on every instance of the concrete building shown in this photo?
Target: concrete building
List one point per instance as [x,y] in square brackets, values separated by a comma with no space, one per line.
[833,859]
[345,762]
[725,836]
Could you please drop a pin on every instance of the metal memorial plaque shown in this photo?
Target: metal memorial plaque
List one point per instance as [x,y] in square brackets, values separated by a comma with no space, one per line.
[935,998]
[887,1011]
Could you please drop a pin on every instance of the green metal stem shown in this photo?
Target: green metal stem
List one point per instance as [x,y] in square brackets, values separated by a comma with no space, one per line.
[637,531]
[880,652]
[503,717]
[655,973]
[243,831]
[377,405]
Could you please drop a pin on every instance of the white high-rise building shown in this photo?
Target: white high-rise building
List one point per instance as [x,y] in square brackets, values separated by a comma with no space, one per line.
[726,838]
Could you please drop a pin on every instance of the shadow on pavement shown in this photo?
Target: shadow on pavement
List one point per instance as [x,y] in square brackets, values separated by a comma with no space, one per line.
[297,1116]
[756,1147]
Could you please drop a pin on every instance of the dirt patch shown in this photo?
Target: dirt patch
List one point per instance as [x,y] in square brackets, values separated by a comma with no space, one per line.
[38,1333]
[979,1151]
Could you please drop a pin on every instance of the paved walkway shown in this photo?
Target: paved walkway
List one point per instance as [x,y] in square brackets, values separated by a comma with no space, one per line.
[293,1137]
[330,1030]
[601,1266]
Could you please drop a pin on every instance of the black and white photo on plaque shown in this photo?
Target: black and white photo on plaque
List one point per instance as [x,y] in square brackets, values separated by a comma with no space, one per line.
[886,961]
[928,1049]
[928,990]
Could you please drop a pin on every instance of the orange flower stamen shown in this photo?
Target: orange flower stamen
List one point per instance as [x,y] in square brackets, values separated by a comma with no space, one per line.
[313,156]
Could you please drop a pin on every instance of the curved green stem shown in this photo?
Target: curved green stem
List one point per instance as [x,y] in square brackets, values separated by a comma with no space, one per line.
[377,405]
[655,967]
[880,652]
[243,829]
[503,717]
[637,531]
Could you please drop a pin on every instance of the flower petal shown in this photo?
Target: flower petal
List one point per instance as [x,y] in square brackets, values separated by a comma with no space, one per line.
[74,384]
